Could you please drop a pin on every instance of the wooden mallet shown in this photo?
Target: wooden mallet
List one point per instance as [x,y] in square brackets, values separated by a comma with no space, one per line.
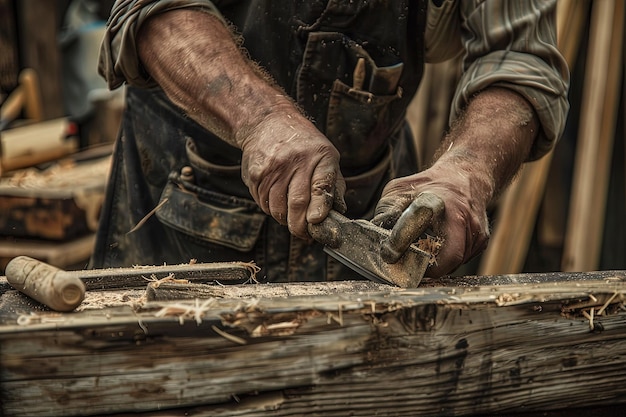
[57,289]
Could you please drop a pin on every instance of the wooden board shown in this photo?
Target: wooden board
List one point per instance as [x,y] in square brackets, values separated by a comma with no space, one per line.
[482,346]
[35,143]
[70,255]
[60,203]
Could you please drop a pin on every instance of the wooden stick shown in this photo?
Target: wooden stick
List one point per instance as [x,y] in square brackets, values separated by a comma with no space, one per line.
[32,97]
[518,208]
[34,144]
[26,97]
[583,239]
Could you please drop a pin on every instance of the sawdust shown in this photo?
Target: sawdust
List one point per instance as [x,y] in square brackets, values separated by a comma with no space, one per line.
[431,245]
[278,290]
[95,300]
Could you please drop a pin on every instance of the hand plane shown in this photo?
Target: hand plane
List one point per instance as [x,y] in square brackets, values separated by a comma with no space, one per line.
[357,244]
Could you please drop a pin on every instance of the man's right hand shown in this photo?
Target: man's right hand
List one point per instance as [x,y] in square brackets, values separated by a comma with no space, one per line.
[292,170]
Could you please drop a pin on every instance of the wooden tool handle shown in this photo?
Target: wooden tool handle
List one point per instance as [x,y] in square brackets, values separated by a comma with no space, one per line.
[51,286]
[29,81]
[26,96]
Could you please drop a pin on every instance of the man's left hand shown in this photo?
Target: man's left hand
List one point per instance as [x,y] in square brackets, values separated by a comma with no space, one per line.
[461,221]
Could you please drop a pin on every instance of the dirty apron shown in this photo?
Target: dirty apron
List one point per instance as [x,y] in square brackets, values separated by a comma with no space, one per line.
[164,159]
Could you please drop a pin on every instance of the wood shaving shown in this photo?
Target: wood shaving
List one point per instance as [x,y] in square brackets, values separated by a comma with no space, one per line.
[228,336]
[147,216]
[595,307]
[504,299]
[431,245]
[285,328]
[253,269]
[155,282]
[184,311]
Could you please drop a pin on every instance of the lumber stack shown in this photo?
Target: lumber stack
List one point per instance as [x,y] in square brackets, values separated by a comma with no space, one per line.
[52,213]
[481,346]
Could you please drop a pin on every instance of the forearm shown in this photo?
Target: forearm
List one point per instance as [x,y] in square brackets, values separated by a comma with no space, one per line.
[516,50]
[490,141]
[192,55]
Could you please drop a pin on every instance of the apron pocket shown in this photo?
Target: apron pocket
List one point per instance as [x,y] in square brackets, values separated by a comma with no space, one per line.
[360,126]
[225,220]
[221,178]
[349,95]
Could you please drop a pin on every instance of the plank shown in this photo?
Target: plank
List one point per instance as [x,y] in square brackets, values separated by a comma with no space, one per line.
[59,254]
[512,342]
[111,279]
[35,143]
[61,202]
[603,77]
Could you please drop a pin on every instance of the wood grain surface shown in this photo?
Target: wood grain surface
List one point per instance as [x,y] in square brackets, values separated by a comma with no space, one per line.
[489,345]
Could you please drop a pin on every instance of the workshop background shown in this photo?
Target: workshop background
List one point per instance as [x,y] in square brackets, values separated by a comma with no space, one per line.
[58,122]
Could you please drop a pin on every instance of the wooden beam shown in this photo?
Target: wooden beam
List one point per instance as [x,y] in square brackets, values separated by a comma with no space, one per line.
[537,343]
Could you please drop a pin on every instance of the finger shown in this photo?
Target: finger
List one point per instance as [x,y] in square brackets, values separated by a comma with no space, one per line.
[446,264]
[414,221]
[322,191]
[277,202]
[464,239]
[298,199]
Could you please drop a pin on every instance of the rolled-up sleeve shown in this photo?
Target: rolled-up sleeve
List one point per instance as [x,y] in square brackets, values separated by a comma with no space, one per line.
[119,61]
[512,44]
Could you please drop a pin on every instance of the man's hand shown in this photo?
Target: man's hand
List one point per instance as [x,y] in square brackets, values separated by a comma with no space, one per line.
[483,151]
[290,168]
[440,202]
[292,171]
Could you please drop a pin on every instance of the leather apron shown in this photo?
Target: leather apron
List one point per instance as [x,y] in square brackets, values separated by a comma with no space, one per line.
[353,68]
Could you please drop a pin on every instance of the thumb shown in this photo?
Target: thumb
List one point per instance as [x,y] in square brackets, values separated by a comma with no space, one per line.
[426,209]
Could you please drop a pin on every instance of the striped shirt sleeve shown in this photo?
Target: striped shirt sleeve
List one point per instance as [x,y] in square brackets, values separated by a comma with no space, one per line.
[512,44]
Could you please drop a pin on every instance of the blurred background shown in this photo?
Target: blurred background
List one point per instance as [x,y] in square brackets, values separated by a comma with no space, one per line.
[565,212]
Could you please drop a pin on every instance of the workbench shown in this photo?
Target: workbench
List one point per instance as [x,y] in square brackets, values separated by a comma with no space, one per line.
[168,343]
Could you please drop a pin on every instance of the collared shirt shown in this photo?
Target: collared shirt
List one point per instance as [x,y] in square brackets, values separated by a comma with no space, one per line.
[509,44]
